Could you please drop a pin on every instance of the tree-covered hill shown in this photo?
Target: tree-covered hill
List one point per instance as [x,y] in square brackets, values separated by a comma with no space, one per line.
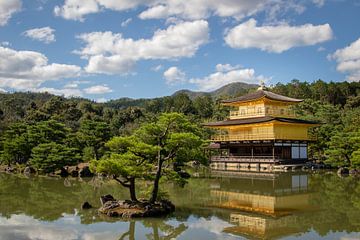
[33,123]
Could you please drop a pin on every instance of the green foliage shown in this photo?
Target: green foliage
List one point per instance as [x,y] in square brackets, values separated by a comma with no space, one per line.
[152,150]
[94,134]
[30,119]
[48,157]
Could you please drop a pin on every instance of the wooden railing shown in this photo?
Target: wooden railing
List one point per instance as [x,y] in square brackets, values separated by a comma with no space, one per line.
[257,136]
[260,112]
[242,137]
[255,159]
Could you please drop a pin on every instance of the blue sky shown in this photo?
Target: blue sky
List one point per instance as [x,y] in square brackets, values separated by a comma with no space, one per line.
[106,49]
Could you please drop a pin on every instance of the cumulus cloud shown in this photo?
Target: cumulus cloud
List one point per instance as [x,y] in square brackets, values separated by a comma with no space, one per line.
[67,92]
[7,9]
[189,10]
[45,34]
[174,76]
[76,10]
[225,67]
[98,89]
[23,70]
[75,84]
[227,75]
[278,38]
[348,60]
[111,53]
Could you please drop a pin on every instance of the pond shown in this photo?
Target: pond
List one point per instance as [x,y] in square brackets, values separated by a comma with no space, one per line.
[294,205]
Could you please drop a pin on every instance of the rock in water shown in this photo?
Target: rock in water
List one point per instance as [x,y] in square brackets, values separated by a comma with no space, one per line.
[62,172]
[343,171]
[85,172]
[106,198]
[29,170]
[86,205]
[130,209]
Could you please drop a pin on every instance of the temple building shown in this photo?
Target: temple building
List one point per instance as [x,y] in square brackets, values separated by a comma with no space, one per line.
[261,132]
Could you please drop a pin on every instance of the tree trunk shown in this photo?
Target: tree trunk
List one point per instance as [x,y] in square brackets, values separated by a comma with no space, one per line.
[132,190]
[156,182]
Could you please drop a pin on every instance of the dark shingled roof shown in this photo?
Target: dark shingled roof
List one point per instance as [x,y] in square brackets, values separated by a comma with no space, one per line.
[231,122]
[262,93]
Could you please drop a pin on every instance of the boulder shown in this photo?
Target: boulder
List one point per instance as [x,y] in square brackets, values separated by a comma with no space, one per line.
[29,170]
[130,209]
[62,172]
[343,171]
[86,205]
[74,173]
[106,198]
[354,172]
[85,172]
[184,174]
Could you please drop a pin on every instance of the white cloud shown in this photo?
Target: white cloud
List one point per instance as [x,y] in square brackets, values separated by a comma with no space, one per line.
[223,77]
[8,8]
[5,44]
[319,3]
[189,9]
[226,67]
[348,60]
[321,49]
[200,9]
[126,22]
[174,76]
[75,84]
[276,39]
[110,53]
[101,100]
[98,89]
[75,10]
[45,34]
[23,70]
[67,92]
[2,90]
[157,68]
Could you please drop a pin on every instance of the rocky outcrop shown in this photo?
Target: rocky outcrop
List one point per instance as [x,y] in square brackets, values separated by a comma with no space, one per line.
[354,172]
[343,171]
[62,172]
[85,172]
[130,209]
[29,170]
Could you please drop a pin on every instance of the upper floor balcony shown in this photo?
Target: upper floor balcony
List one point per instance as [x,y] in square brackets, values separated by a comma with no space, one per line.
[266,135]
[261,112]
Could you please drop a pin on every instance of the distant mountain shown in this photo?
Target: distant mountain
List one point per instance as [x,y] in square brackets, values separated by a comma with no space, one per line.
[231,89]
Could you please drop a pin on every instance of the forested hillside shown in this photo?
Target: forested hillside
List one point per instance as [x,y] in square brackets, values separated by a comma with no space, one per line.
[40,127]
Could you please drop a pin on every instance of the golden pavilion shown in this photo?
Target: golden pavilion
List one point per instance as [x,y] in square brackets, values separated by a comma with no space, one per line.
[261,131]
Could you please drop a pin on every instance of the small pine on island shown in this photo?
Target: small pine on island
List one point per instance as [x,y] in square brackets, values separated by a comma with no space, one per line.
[261,134]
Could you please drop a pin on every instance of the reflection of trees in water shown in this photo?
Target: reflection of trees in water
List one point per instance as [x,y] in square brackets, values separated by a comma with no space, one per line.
[48,198]
[339,200]
[160,230]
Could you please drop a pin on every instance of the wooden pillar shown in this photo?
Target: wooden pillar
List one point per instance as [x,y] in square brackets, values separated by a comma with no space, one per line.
[273,151]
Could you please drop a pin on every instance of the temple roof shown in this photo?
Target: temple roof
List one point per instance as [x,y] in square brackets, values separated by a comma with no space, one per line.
[262,93]
[231,122]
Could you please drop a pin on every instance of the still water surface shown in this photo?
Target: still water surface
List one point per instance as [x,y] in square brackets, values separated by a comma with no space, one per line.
[273,206]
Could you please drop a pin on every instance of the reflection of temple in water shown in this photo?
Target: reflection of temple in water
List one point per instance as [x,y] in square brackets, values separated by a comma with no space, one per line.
[266,207]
